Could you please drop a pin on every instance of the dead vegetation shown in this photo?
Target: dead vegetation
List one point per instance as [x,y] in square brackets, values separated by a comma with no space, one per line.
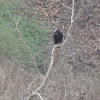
[73,73]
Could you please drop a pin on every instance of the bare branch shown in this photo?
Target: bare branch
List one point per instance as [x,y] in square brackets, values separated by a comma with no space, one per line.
[18,20]
[72,16]
[79,11]
[78,14]
[21,36]
[32,83]
[40,96]
[72,20]
[33,57]
[50,67]
[8,11]
[65,6]
[15,19]
[52,55]
[8,27]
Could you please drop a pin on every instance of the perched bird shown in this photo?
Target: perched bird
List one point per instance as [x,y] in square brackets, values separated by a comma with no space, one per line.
[58,36]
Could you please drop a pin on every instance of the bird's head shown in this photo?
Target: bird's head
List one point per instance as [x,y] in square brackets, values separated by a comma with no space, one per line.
[56,30]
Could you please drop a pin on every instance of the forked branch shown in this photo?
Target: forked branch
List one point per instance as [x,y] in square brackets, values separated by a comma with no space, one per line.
[52,55]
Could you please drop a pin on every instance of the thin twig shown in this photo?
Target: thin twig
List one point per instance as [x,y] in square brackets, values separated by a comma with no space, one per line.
[18,20]
[72,20]
[65,6]
[4,25]
[21,36]
[40,96]
[33,57]
[29,87]
[8,11]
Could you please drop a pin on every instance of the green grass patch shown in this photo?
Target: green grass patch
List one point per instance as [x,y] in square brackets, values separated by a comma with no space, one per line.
[34,35]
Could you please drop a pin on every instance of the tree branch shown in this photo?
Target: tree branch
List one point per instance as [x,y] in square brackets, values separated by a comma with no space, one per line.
[65,6]
[21,36]
[52,55]
[40,96]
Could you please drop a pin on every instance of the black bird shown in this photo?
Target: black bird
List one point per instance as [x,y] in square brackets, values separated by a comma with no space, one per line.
[58,36]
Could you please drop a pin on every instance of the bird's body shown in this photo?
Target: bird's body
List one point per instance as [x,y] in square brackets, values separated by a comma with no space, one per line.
[58,36]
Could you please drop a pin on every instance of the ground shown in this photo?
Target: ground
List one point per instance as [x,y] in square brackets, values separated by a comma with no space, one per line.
[76,71]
